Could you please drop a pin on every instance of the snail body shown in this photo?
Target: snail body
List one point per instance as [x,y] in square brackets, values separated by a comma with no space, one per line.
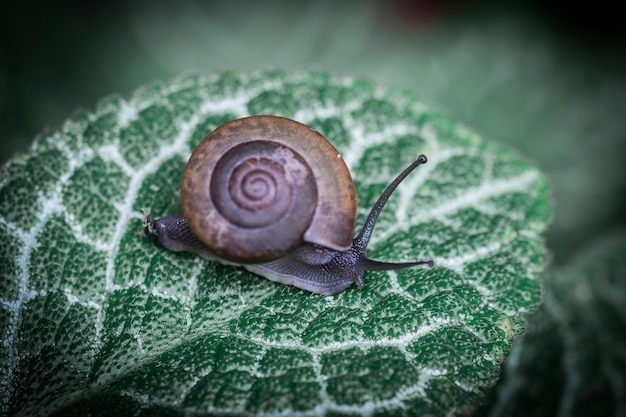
[274,196]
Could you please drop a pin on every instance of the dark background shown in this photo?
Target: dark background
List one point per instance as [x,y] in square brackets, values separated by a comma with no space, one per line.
[545,78]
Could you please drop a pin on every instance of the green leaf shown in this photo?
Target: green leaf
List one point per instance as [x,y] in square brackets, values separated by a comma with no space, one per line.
[96,319]
[575,343]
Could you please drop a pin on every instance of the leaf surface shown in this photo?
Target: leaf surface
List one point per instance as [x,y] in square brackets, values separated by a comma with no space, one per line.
[96,319]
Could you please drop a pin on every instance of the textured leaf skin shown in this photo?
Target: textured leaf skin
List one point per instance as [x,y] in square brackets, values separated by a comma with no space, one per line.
[96,319]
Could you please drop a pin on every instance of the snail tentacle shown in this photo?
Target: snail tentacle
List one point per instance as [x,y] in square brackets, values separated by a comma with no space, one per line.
[362,240]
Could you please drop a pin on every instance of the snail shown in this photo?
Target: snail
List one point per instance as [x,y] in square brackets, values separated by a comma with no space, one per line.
[274,196]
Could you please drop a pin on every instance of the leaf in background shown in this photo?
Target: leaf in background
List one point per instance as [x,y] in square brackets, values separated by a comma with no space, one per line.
[576,341]
[96,319]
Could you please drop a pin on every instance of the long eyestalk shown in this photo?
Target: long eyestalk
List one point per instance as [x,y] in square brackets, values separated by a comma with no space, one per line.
[361,241]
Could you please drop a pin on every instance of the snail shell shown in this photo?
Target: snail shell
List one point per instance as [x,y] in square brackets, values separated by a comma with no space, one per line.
[256,188]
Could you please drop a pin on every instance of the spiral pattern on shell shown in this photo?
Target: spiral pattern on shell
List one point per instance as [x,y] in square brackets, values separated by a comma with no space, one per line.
[256,188]
[260,183]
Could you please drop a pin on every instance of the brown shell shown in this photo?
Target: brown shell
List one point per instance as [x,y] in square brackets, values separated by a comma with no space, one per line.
[255,188]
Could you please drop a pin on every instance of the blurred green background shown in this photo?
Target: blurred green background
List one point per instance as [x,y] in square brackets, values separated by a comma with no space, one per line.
[547,80]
